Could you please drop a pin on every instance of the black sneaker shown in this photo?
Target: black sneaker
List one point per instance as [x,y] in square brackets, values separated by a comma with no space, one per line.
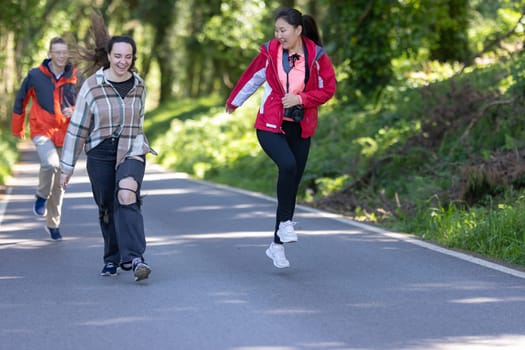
[54,233]
[109,269]
[126,266]
[141,270]
[39,208]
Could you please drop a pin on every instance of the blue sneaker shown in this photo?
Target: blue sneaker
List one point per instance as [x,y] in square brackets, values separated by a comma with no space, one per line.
[141,270]
[109,269]
[39,208]
[54,233]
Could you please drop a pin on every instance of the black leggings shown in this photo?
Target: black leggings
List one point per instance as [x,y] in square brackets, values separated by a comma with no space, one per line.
[289,152]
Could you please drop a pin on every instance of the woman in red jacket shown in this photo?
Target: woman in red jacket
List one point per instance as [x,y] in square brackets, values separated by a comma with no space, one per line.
[298,77]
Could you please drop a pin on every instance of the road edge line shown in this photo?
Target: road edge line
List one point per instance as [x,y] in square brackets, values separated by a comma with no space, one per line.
[405,237]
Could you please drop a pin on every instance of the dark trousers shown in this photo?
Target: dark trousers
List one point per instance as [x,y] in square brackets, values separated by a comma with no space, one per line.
[289,152]
[122,226]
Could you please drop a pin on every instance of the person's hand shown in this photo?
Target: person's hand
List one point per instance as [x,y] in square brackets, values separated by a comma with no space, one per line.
[67,112]
[229,110]
[290,100]
[64,180]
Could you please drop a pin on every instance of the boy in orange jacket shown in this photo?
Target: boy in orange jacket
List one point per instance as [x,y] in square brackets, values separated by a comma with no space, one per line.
[52,89]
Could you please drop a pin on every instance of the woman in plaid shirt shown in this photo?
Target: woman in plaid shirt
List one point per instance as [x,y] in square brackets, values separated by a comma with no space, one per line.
[107,124]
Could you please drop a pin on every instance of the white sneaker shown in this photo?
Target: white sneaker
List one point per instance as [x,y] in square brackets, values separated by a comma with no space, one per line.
[286,232]
[276,253]
[141,270]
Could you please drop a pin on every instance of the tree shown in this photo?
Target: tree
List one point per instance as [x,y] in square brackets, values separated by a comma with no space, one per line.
[21,33]
[229,39]
[360,35]
[367,35]
[452,32]
[160,15]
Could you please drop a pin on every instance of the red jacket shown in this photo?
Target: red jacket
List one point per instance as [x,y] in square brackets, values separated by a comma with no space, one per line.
[49,96]
[319,88]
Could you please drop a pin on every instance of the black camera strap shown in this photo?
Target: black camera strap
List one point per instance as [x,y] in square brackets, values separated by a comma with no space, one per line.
[287,68]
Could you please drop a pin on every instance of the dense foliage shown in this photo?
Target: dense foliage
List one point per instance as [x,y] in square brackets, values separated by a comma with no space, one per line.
[193,48]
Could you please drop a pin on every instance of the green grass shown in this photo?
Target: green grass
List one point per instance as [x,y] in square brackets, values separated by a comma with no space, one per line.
[9,154]
[199,138]
[496,231]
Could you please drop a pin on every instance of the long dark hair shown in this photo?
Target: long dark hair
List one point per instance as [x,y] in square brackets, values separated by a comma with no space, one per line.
[95,54]
[296,18]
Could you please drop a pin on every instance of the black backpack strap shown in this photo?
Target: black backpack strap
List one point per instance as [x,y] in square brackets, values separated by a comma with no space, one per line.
[306,70]
[287,68]
[286,62]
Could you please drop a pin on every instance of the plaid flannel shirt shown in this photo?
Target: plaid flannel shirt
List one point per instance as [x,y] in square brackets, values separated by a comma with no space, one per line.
[101,113]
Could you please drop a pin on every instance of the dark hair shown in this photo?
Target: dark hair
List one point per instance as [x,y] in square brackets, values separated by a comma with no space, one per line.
[56,40]
[95,54]
[296,18]
[122,39]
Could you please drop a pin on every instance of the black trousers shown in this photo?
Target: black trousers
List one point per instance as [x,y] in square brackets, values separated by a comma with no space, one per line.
[122,226]
[289,152]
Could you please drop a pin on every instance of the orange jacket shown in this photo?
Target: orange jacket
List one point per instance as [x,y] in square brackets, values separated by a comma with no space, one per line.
[49,97]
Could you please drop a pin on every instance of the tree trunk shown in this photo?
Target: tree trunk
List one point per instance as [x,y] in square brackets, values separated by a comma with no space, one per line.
[452,42]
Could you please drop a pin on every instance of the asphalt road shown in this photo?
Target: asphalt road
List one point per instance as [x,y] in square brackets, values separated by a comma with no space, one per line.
[350,286]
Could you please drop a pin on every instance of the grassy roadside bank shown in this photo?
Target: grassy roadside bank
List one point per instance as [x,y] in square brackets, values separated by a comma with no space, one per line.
[8,156]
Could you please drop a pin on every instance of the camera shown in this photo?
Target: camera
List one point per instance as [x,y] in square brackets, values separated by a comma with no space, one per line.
[295,112]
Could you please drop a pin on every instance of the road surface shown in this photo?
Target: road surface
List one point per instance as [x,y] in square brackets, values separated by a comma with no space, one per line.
[350,286]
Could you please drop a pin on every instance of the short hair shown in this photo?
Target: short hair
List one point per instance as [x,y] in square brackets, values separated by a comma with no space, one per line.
[56,40]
